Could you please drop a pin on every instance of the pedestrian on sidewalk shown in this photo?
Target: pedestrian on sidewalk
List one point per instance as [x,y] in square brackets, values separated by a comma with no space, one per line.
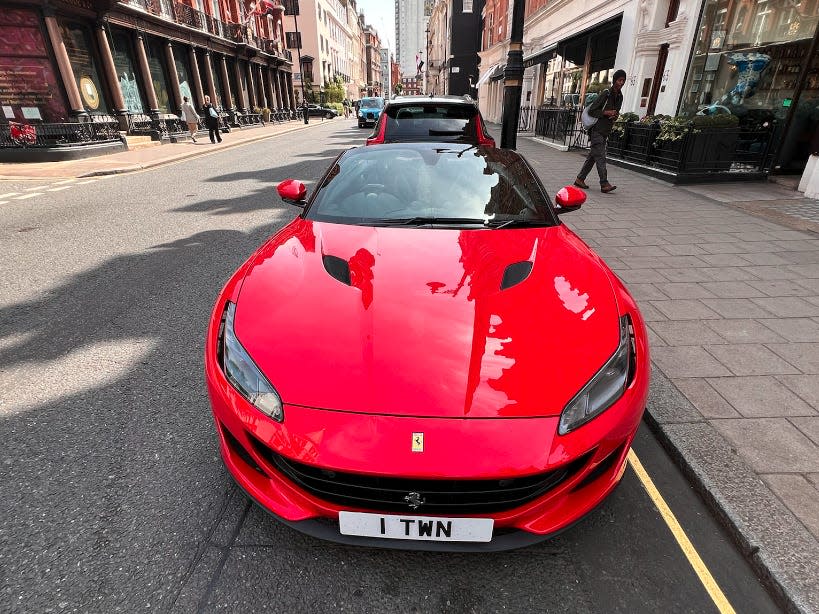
[212,121]
[190,117]
[606,108]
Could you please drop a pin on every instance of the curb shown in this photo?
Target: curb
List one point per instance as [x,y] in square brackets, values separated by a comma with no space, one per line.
[769,537]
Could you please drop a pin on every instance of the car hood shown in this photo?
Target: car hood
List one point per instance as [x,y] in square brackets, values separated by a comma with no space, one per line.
[427,322]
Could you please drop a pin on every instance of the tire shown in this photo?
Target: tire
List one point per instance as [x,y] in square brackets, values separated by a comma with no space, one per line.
[329,116]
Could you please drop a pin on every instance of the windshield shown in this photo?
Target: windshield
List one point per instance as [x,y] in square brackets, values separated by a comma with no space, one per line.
[372,103]
[424,183]
[431,122]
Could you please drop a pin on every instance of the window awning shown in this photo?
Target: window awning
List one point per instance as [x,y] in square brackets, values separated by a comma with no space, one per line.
[539,57]
[485,76]
[497,73]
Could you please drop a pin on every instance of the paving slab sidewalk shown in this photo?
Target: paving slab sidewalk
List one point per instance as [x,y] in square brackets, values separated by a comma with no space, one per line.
[727,277]
[138,159]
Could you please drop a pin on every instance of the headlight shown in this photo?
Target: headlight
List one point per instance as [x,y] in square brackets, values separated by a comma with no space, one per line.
[361,113]
[242,372]
[603,389]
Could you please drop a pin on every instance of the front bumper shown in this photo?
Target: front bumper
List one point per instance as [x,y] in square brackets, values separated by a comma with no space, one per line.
[372,445]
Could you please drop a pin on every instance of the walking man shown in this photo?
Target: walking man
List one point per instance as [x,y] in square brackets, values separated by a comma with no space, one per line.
[606,108]
[212,121]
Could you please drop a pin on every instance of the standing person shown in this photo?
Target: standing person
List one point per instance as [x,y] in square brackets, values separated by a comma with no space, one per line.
[606,108]
[190,117]
[212,121]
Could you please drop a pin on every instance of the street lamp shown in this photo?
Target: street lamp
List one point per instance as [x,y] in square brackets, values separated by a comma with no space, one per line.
[513,79]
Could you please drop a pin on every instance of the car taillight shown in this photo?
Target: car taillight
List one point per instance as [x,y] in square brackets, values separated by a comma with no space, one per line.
[483,138]
[381,126]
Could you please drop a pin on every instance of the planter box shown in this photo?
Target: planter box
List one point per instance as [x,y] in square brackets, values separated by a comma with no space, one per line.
[710,150]
[615,145]
[667,154]
[637,142]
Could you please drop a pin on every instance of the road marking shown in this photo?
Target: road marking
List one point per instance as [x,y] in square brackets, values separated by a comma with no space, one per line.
[31,195]
[7,194]
[64,181]
[62,187]
[36,187]
[84,182]
[717,596]
[3,202]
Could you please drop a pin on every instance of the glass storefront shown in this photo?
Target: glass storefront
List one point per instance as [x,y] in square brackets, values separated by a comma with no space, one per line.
[748,61]
[579,66]
[183,71]
[126,71]
[77,40]
[159,75]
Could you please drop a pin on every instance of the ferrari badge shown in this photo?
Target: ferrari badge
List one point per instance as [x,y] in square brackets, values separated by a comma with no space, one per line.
[417,442]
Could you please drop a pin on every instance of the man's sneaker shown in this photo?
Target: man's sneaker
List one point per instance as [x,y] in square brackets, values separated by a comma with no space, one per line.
[581,184]
[607,187]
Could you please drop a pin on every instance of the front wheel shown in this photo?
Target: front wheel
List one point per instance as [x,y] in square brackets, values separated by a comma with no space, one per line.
[329,116]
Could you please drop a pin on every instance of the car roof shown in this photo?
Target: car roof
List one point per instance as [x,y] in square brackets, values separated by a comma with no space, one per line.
[442,99]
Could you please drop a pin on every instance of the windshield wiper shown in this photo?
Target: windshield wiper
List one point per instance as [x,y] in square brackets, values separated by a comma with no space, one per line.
[516,223]
[421,220]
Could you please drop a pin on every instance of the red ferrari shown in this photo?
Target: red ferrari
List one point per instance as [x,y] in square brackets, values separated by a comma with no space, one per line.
[426,357]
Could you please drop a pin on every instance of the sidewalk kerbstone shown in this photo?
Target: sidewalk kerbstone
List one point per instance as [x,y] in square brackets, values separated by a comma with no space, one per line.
[760,397]
[771,445]
[754,359]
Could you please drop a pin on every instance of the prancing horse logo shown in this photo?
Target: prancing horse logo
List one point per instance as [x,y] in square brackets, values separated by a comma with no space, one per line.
[415,500]
[417,442]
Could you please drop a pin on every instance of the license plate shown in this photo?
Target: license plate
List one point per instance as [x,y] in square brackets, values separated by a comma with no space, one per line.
[425,528]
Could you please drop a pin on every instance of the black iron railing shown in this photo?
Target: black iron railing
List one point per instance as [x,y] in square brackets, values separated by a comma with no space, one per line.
[560,125]
[14,134]
[527,119]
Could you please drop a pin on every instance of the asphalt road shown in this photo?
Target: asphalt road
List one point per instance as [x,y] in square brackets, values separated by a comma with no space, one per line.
[112,494]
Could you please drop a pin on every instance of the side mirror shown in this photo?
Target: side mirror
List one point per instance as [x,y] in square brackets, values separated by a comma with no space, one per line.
[292,191]
[569,199]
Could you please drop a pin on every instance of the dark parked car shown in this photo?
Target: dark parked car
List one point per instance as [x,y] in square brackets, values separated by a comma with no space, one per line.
[316,110]
[427,118]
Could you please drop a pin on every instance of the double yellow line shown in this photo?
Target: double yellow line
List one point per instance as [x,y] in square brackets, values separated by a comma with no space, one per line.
[687,547]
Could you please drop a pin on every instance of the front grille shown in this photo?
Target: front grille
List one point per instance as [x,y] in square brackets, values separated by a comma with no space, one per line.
[384,493]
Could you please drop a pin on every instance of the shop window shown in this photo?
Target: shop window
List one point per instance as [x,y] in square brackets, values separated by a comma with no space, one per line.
[125,66]
[77,40]
[159,75]
[183,71]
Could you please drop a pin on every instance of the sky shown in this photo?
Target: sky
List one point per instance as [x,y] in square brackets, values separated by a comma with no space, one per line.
[381,15]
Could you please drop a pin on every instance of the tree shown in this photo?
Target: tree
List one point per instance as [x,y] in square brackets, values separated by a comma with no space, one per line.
[399,87]
[334,90]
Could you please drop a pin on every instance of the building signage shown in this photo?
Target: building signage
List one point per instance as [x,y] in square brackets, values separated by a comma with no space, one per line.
[26,75]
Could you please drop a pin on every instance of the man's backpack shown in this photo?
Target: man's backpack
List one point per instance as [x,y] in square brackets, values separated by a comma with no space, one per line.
[587,120]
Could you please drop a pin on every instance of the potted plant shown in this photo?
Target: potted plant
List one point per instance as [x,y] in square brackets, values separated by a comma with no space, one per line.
[668,144]
[713,142]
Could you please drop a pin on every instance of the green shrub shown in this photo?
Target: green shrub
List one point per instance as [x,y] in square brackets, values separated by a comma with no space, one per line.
[722,120]
[618,129]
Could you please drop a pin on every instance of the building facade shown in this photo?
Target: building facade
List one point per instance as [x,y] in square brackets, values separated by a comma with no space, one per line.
[386,74]
[410,33]
[132,61]
[755,59]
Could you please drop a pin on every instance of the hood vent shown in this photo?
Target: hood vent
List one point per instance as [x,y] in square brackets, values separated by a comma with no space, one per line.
[515,273]
[337,268]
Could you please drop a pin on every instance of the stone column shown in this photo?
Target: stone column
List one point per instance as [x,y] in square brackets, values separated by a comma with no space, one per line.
[289,77]
[251,86]
[277,88]
[142,60]
[283,89]
[241,100]
[111,76]
[64,64]
[175,91]
[229,103]
[197,80]
[268,87]
[209,78]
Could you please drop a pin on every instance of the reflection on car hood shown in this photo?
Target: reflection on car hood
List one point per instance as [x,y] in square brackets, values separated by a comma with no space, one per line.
[420,325]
